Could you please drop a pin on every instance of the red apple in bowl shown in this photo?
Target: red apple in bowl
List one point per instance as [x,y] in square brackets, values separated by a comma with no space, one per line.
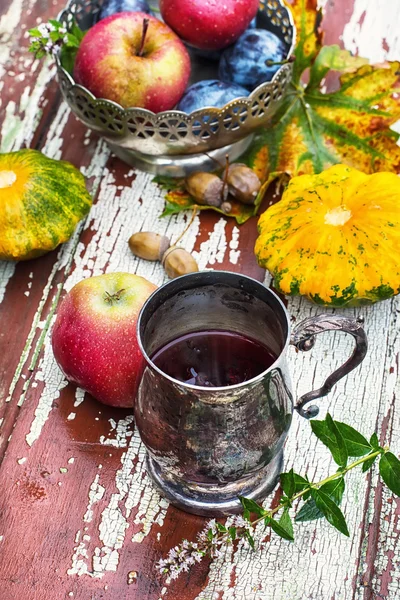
[209,24]
[94,337]
[122,60]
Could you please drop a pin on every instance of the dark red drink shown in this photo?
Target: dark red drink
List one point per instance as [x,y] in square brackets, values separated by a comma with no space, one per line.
[213,358]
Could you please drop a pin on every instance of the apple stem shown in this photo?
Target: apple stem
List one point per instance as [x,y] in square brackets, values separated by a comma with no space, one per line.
[111,298]
[144,32]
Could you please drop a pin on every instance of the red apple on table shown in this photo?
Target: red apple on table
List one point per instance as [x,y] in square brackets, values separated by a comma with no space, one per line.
[94,337]
[122,60]
[209,24]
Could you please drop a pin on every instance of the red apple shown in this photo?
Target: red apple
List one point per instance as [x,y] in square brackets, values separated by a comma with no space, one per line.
[94,337]
[209,24]
[112,63]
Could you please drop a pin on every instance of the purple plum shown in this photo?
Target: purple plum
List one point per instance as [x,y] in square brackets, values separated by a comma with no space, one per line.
[210,92]
[110,7]
[245,63]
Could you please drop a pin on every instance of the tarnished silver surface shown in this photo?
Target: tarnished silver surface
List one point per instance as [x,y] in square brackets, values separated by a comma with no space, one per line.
[183,164]
[207,445]
[303,337]
[174,132]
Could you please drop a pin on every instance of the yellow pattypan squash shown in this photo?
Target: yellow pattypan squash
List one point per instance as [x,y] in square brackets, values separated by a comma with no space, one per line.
[334,237]
[41,202]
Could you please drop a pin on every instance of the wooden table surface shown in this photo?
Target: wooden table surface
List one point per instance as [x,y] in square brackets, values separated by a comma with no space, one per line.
[77,511]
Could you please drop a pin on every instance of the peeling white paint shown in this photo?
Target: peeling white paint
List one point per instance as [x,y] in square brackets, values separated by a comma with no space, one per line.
[7,270]
[53,144]
[303,566]
[54,381]
[380,17]
[134,491]
[213,250]
[8,25]
[79,397]
[234,251]
[18,131]
[96,493]
[121,431]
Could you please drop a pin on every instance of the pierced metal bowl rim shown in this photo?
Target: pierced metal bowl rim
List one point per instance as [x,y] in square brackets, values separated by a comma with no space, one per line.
[173,112]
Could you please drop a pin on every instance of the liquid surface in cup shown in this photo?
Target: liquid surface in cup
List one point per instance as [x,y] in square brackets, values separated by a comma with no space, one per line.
[213,358]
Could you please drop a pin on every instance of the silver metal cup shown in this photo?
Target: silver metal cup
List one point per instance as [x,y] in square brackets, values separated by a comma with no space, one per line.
[208,445]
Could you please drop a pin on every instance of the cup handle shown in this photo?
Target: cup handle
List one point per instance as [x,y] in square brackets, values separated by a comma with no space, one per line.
[303,338]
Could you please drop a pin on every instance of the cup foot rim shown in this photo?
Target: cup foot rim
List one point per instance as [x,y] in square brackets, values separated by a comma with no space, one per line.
[217,500]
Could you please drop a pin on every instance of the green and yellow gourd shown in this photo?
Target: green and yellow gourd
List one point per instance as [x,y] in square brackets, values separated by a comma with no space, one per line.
[41,202]
[334,237]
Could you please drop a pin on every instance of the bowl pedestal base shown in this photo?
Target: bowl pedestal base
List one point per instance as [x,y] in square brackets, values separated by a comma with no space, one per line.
[181,165]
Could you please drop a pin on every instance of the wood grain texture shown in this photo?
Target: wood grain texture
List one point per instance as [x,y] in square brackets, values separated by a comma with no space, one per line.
[77,512]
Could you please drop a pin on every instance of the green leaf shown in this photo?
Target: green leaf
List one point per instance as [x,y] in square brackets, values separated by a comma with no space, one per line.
[300,483]
[285,522]
[247,535]
[389,468]
[67,58]
[35,32]
[54,36]
[333,57]
[309,511]
[292,483]
[330,510]
[329,435]
[77,32]
[279,530]
[252,506]
[167,183]
[374,441]
[287,483]
[55,23]
[313,130]
[72,41]
[221,527]
[232,533]
[368,464]
[356,444]
[339,450]
[307,19]
[321,430]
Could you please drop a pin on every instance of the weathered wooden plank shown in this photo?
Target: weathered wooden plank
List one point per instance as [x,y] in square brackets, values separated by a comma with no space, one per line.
[103,246]
[31,115]
[129,525]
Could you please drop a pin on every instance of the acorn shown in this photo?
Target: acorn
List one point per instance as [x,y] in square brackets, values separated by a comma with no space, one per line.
[243,183]
[206,188]
[148,245]
[177,261]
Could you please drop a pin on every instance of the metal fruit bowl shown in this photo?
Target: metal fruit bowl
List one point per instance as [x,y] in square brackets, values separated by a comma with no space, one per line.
[173,142]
